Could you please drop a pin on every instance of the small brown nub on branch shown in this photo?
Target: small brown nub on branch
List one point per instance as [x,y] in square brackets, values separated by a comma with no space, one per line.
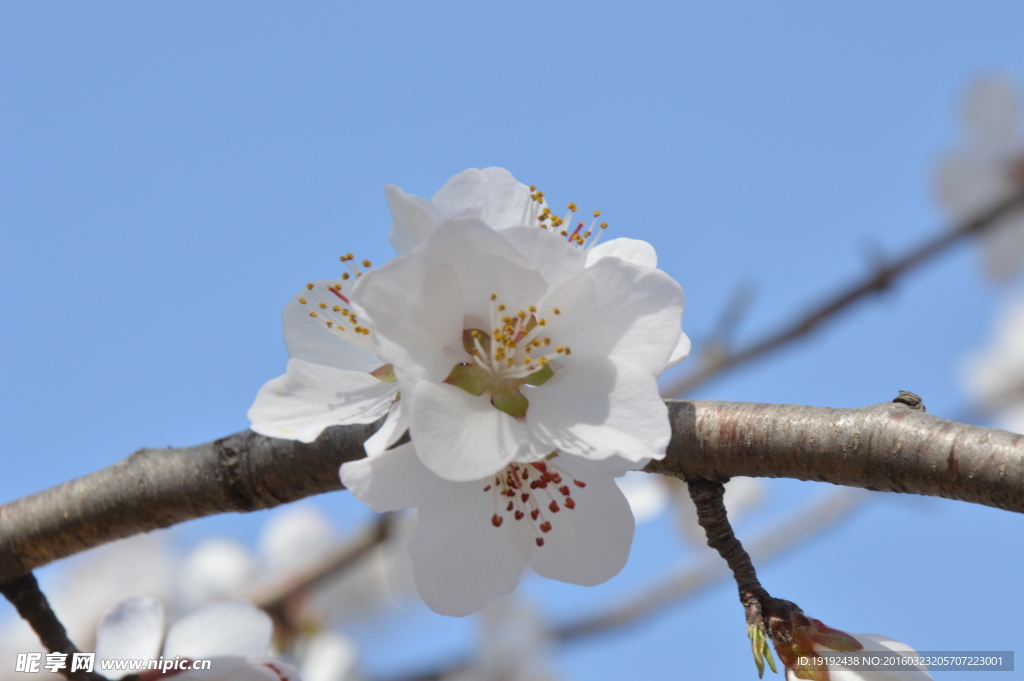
[911,400]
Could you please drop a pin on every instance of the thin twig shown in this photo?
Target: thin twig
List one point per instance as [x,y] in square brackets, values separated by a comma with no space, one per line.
[800,526]
[877,281]
[280,599]
[29,600]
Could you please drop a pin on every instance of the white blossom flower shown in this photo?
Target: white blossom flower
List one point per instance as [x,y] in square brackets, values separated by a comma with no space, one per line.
[812,636]
[233,635]
[565,517]
[513,647]
[328,656]
[502,356]
[334,376]
[989,169]
[995,376]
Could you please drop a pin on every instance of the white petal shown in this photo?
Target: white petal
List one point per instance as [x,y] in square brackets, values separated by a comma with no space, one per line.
[460,560]
[492,193]
[485,263]
[134,628]
[215,569]
[293,536]
[461,436]
[631,250]
[992,113]
[311,397]
[390,431]
[416,308]
[620,310]
[221,628]
[390,481]
[329,657]
[309,339]
[551,254]
[681,352]
[646,494]
[412,219]
[1002,248]
[588,544]
[597,408]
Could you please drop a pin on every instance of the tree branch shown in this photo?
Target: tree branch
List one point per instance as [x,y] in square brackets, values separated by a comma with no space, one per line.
[888,447]
[28,599]
[880,279]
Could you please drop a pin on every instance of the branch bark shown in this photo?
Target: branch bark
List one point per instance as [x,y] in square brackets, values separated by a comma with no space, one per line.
[888,447]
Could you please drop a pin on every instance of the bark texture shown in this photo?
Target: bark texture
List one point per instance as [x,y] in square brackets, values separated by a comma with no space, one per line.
[890,447]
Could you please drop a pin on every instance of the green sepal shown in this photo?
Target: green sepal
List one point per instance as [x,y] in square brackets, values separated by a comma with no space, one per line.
[512,402]
[385,373]
[468,377]
[470,346]
[540,376]
[761,650]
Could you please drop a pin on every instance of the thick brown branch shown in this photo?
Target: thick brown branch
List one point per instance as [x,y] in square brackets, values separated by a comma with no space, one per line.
[880,279]
[888,447]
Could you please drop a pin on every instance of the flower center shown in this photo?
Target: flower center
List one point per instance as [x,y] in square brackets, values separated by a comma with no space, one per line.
[532,490]
[537,211]
[514,354]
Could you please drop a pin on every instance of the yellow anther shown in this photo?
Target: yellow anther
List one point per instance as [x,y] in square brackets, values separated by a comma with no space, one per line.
[559,349]
[542,322]
[597,213]
[527,360]
[322,306]
[568,350]
[367,263]
[532,308]
[366,332]
[521,314]
[586,234]
[533,187]
[506,319]
[543,361]
[309,286]
[572,207]
[547,341]
[359,329]
[302,300]
[494,296]
[344,275]
[545,211]
[604,225]
[564,233]
[336,308]
[312,314]
[500,308]
[349,256]
[556,310]
[329,323]
[540,195]
[511,362]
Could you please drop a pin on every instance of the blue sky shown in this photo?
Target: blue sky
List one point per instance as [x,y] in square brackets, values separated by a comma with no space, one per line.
[170,173]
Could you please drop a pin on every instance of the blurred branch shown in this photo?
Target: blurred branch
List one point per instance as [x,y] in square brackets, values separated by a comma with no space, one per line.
[890,447]
[29,600]
[879,279]
[801,525]
[279,598]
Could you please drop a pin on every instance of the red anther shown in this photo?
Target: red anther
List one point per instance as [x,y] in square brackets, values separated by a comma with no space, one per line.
[534,513]
[564,489]
[579,483]
[570,502]
[545,527]
[525,497]
[542,484]
[557,479]
[547,477]
[540,465]
[487,489]
[540,541]
[338,293]
[534,484]
[519,515]
[553,506]
[509,507]
[496,520]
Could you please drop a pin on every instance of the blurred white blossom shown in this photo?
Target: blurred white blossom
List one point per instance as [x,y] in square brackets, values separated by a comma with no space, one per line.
[988,169]
[994,376]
